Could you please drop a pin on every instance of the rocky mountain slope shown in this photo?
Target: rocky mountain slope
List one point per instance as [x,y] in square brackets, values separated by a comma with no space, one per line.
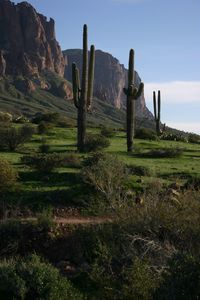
[28,48]
[110,79]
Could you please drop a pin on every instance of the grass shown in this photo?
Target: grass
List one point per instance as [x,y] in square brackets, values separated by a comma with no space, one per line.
[64,185]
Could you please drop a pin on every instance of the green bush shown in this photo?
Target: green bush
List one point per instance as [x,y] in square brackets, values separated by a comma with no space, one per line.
[44,127]
[168,136]
[96,142]
[47,117]
[193,183]
[8,175]
[140,170]
[71,160]
[144,133]
[44,148]
[13,137]
[163,153]
[107,132]
[194,138]
[31,278]
[44,162]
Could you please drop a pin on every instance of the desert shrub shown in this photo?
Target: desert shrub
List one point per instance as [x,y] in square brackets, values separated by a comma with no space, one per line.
[140,170]
[106,176]
[5,117]
[71,160]
[44,127]
[46,117]
[173,137]
[13,137]
[44,148]
[181,280]
[107,132]
[193,138]
[66,122]
[44,163]
[193,183]
[144,133]
[163,153]
[31,278]
[96,142]
[8,175]
[21,120]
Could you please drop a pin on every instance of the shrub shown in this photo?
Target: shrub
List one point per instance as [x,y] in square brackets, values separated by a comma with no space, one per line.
[44,148]
[173,137]
[106,175]
[5,117]
[13,137]
[31,278]
[44,127]
[96,142]
[140,170]
[21,120]
[8,175]
[193,183]
[144,133]
[43,163]
[47,117]
[163,153]
[107,132]
[193,138]
[71,160]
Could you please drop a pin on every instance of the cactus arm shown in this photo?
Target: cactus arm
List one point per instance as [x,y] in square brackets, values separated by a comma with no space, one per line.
[75,85]
[159,105]
[91,77]
[84,82]
[154,105]
[131,71]
[140,90]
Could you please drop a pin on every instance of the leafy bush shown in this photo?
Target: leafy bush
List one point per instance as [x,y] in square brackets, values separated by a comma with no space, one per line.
[140,170]
[31,278]
[5,117]
[13,137]
[107,132]
[44,127]
[106,175]
[8,175]
[167,136]
[96,142]
[47,117]
[44,148]
[71,160]
[144,133]
[43,163]
[163,153]
[181,281]
[193,138]
[193,183]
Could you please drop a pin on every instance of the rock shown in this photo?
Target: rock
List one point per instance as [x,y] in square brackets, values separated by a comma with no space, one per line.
[27,42]
[110,79]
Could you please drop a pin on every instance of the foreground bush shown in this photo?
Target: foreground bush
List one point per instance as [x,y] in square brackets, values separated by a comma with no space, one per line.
[12,137]
[31,278]
[96,142]
[8,175]
[144,133]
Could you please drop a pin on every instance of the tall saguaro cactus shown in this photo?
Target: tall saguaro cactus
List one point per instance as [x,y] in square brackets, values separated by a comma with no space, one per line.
[157,106]
[83,95]
[132,93]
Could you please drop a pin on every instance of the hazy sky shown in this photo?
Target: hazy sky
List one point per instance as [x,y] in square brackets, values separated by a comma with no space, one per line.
[164,33]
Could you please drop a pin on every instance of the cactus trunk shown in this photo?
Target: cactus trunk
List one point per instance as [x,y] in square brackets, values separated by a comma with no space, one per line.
[132,93]
[157,106]
[83,96]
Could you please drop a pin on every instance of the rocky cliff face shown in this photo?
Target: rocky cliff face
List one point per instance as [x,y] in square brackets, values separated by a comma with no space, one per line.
[110,79]
[27,42]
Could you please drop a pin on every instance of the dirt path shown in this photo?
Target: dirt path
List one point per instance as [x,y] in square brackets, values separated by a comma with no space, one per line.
[74,220]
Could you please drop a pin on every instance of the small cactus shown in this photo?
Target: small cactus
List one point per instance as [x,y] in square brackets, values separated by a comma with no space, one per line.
[157,106]
[83,95]
[132,93]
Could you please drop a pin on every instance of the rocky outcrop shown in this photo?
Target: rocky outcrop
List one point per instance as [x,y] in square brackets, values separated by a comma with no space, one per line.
[110,79]
[27,42]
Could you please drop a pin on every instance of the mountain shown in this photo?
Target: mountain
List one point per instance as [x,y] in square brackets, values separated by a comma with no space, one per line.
[110,79]
[28,48]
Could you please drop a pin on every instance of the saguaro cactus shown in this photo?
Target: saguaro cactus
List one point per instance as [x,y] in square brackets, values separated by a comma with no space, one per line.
[157,105]
[132,93]
[83,95]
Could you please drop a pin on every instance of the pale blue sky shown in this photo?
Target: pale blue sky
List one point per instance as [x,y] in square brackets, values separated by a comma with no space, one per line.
[164,34]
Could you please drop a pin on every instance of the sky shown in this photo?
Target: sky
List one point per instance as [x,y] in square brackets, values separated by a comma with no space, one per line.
[164,34]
